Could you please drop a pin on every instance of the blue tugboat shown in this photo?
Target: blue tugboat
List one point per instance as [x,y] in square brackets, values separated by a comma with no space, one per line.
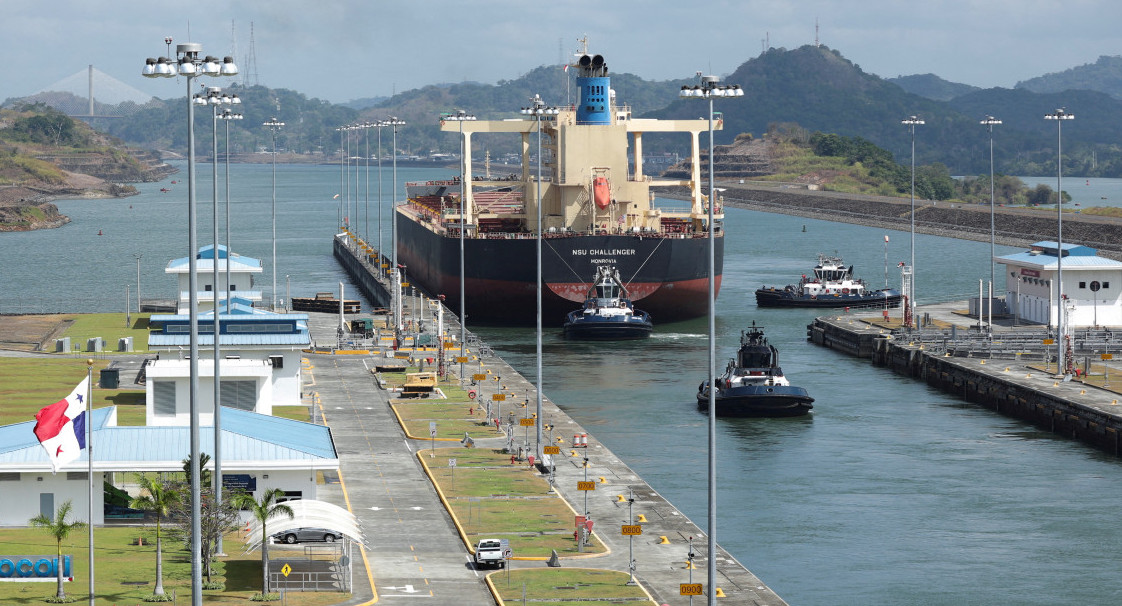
[832,285]
[608,313]
[753,384]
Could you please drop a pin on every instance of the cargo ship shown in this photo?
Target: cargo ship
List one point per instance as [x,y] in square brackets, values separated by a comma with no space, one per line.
[597,208]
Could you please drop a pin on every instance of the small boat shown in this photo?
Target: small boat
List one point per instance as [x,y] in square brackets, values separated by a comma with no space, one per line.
[164,189]
[832,285]
[608,313]
[753,385]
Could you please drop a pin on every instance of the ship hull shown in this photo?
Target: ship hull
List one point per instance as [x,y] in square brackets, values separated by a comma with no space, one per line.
[669,275]
[776,297]
[758,401]
[606,329]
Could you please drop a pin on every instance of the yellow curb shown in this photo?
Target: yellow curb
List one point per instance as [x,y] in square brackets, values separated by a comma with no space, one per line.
[499,602]
[411,437]
[463,533]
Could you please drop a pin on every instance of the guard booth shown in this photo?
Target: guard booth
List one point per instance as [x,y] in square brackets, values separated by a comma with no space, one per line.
[309,566]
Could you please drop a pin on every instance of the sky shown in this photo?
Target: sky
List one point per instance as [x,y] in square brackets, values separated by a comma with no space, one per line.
[339,50]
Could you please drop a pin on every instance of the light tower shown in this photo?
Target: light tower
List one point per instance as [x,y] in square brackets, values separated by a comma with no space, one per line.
[190,64]
[709,88]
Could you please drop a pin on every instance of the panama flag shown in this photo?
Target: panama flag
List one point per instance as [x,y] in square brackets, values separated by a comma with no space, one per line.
[61,427]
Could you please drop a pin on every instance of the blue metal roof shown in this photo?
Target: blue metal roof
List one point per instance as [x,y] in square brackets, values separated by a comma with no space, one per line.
[298,339]
[246,436]
[22,435]
[1046,261]
[1049,247]
[245,326]
[206,254]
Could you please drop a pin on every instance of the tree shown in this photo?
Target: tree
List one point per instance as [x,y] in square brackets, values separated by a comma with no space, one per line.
[204,477]
[58,528]
[214,522]
[263,511]
[160,499]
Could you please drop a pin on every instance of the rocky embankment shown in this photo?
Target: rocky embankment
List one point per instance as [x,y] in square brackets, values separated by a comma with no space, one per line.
[30,211]
[30,205]
[1012,226]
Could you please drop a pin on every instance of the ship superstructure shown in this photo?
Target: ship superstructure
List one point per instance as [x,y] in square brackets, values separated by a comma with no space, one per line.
[596,209]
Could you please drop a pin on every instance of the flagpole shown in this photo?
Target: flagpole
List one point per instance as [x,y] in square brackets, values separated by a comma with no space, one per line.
[89,461]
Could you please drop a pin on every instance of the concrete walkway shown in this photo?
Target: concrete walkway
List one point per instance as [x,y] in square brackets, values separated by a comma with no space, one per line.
[413,547]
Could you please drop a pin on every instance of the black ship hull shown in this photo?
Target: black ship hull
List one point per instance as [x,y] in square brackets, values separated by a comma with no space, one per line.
[758,401]
[668,274]
[776,297]
[605,329]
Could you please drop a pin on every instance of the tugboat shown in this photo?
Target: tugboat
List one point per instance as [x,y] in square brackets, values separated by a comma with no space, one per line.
[832,285]
[753,384]
[608,313]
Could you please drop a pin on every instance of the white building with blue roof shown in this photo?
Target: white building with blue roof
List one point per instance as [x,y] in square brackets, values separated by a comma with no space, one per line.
[1092,285]
[242,270]
[260,367]
[259,452]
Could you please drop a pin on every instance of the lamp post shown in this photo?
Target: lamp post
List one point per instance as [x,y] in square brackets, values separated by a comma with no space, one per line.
[190,65]
[465,173]
[342,155]
[379,125]
[911,122]
[216,98]
[1059,116]
[709,88]
[274,124]
[138,257]
[366,126]
[398,325]
[539,110]
[989,123]
[227,116]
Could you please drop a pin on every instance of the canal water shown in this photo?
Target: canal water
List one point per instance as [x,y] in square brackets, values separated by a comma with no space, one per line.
[889,493]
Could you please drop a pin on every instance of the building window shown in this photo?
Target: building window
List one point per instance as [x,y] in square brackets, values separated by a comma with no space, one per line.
[1106,284]
[9,476]
[77,475]
[206,288]
[239,394]
[1082,285]
[291,495]
[163,398]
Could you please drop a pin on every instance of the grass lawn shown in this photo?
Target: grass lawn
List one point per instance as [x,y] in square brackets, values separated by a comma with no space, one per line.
[566,586]
[491,497]
[109,327]
[452,419]
[296,413]
[29,384]
[120,565]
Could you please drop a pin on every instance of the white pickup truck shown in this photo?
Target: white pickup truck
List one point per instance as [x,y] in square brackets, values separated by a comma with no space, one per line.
[492,552]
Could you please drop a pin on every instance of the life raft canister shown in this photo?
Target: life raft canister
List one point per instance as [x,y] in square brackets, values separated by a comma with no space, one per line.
[601,192]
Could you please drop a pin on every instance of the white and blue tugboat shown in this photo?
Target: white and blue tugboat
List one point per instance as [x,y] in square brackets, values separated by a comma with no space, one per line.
[608,313]
[832,285]
[753,384]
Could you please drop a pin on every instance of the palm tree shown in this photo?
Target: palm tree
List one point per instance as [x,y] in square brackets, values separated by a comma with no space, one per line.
[264,510]
[58,528]
[159,500]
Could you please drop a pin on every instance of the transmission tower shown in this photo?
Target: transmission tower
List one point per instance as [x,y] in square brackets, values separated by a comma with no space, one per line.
[250,63]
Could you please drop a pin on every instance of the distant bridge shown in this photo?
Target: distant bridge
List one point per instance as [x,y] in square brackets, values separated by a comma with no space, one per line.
[92,93]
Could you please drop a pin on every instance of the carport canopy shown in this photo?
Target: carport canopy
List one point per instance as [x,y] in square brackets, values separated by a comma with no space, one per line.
[308,513]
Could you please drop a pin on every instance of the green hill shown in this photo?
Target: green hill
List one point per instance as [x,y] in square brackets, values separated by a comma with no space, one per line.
[1104,75]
